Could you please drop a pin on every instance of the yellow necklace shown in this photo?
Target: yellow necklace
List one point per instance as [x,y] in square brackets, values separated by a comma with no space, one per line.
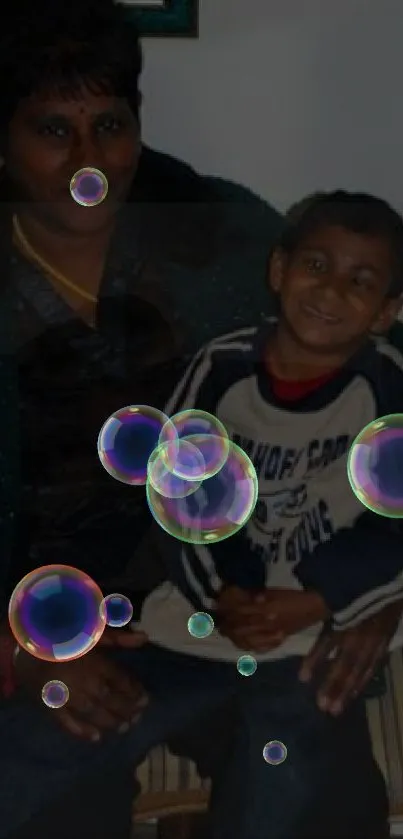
[22,242]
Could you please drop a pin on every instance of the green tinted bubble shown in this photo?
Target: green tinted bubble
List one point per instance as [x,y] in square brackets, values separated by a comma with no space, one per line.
[200,625]
[375,466]
[218,508]
[246,665]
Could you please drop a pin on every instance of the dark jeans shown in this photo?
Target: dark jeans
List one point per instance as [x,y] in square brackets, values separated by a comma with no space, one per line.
[329,782]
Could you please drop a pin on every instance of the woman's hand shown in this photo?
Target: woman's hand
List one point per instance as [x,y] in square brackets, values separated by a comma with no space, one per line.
[102,697]
[351,658]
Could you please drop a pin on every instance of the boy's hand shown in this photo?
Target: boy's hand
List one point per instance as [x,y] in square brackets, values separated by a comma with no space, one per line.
[102,696]
[260,622]
[355,653]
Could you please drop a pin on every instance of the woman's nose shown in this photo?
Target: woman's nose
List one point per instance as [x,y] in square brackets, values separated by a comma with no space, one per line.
[85,152]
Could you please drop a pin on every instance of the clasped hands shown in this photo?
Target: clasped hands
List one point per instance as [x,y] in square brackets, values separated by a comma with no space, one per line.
[260,621]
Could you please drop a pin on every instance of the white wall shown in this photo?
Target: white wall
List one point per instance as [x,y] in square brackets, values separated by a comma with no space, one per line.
[286,96]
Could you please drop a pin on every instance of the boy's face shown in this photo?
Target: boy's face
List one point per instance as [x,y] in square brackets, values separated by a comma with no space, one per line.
[332,288]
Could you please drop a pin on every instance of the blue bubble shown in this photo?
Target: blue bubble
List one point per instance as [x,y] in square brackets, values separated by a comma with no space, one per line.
[118,610]
[274,752]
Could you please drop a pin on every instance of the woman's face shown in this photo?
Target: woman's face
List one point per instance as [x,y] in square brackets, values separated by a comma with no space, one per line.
[51,138]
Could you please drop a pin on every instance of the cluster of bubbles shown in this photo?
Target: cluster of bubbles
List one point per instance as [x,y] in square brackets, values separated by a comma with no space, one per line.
[57,613]
[201,487]
[375,466]
[201,625]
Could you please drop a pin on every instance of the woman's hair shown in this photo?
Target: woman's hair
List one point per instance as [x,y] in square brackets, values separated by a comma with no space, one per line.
[355,211]
[56,48]
[59,46]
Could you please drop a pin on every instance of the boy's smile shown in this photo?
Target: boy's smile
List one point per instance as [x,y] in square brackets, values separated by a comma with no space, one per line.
[333,289]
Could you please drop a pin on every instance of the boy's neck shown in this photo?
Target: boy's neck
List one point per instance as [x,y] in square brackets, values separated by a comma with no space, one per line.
[289,360]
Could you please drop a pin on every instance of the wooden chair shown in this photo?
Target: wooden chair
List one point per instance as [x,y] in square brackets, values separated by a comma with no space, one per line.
[173,793]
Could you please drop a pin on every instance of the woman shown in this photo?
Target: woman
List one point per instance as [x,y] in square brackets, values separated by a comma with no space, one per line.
[70,98]
[100,306]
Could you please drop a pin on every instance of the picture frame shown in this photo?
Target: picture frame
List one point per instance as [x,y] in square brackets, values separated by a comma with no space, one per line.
[164,18]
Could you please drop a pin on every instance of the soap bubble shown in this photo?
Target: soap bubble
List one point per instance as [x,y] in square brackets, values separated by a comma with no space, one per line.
[275,752]
[118,609]
[375,466]
[246,665]
[89,187]
[56,614]
[200,625]
[218,508]
[196,426]
[55,694]
[164,481]
[127,440]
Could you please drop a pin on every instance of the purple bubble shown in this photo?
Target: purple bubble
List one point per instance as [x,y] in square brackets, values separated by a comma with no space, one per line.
[375,466]
[127,440]
[275,752]
[56,614]
[55,694]
[89,187]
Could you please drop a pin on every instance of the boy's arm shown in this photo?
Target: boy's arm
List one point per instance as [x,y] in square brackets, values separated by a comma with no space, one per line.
[358,571]
[201,571]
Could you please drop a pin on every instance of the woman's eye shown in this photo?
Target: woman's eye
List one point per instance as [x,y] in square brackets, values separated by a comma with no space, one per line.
[315,265]
[50,130]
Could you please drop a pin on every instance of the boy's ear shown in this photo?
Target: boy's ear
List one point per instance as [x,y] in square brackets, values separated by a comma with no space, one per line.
[388,315]
[276,270]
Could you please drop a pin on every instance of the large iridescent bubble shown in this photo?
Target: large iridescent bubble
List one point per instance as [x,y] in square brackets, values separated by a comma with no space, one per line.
[375,466]
[200,428]
[218,508]
[127,440]
[56,613]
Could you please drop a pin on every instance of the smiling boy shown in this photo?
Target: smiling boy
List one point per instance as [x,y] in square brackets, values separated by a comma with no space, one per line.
[294,395]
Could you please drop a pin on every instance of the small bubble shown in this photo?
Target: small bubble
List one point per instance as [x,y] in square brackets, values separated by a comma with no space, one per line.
[55,694]
[200,625]
[89,187]
[118,610]
[274,752]
[246,665]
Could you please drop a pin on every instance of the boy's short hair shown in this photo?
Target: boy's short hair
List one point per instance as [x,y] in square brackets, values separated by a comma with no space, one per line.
[355,211]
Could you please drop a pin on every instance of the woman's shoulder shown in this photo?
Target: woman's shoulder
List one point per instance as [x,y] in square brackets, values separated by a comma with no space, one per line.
[171,179]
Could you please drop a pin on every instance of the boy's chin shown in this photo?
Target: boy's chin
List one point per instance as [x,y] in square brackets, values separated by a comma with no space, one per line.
[320,342]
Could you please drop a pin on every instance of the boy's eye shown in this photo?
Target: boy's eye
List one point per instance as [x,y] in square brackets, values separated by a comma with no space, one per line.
[363,281]
[109,124]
